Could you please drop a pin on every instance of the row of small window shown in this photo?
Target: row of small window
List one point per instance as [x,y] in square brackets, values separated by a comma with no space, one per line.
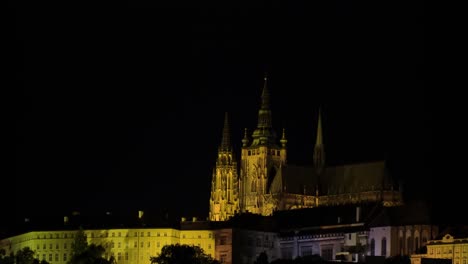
[50,257]
[57,246]
[199,236]
[447,250]
[119,234]
[65,235]
[257,151]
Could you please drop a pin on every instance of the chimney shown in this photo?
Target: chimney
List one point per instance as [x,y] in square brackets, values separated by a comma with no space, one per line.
[194,219]
[358,214]
[339,219]
[65,220]
[183,219]
[140,214]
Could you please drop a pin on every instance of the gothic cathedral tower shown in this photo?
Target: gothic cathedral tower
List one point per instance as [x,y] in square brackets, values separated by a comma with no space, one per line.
[224,200]
[261,158]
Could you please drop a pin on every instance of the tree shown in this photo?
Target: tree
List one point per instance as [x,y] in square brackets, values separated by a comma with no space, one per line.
[80,244]
[82,253]
[182,254]
[4,259]
[25,256]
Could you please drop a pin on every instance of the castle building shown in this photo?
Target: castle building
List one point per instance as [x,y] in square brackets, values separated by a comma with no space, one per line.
[267,183]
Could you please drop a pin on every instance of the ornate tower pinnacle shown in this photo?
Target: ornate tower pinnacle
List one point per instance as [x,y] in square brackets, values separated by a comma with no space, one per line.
[283,139]
[319,151]
[226,140]
[245,140]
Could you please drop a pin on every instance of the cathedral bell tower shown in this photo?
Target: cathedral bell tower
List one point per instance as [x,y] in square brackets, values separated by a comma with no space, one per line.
[261,158]
[224,200]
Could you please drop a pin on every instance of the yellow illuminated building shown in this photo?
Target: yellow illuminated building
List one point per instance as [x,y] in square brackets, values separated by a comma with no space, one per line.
[267,183]
[133,246]
[449,247]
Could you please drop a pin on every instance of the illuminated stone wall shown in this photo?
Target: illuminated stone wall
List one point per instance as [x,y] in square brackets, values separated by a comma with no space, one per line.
[132,246]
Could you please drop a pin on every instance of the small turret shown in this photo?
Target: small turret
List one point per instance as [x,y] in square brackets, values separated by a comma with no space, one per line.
[283,139]
[245,140]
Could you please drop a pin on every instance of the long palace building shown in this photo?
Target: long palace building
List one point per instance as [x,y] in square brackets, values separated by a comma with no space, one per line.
[264,182]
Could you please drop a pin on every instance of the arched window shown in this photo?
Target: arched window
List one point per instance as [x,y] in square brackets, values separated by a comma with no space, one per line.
[253,187]
[384,247]
[372,247]
[409,245]
[402,246]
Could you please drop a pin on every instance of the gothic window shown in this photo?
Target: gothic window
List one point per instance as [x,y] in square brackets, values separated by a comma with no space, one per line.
[372,247]
[384,247]
[401,246]
[409,245]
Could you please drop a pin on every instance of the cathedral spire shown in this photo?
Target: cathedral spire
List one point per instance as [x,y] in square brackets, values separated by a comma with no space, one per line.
[226,140]
[319,140]
[264,114]
[319,151]
[264,133]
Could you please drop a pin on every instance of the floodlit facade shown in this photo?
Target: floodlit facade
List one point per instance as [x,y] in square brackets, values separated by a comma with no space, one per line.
[133,246]
[449,247]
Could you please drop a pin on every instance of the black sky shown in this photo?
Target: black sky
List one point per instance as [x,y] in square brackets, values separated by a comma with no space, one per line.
[124,110]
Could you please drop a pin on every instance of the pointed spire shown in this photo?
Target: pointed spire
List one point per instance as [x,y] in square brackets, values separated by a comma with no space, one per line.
[245,140]
[319,151]
[226,140]
[264,114]
[265,95]
[319,140]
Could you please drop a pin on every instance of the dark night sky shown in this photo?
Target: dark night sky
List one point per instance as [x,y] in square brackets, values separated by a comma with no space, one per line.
[124,110]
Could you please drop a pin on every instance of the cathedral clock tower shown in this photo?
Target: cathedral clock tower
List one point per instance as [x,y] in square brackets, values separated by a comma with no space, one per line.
[261,158]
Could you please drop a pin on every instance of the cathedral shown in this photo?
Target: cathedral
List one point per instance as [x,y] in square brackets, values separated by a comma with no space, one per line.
[264,182]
